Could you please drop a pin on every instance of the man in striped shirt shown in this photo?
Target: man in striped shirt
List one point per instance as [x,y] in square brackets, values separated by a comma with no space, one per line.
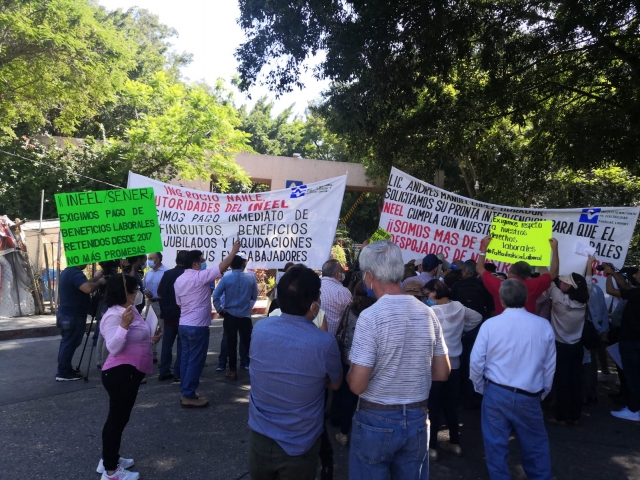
[334,297]
[397,350]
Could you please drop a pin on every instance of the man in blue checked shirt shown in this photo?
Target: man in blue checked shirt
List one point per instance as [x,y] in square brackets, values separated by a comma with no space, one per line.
[240,292]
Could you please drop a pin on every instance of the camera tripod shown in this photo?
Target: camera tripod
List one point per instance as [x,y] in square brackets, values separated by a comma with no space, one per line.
[96,304]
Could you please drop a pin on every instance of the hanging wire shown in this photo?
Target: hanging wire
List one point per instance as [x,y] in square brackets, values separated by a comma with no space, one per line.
[58,168]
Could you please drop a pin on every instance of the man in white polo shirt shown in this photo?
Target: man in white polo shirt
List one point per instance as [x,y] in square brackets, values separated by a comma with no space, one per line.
[397,350]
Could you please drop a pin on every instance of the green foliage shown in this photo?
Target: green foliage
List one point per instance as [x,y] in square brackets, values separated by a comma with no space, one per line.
[182,130]
[501,93]
[58,61]
[337,253]
[150,41]
[272,135]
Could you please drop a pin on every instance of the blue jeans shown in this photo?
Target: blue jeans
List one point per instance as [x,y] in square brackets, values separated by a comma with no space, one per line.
[224,352]
[389,442]
[504,411]
[72,328]
[195,343]
[169,336]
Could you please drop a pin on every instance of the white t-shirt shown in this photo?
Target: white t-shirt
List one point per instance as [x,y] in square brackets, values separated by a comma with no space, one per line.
[398,337]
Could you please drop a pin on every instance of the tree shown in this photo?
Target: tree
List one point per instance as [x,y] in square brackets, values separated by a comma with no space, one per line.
[478,89]
[182,130]
[153,53]
[58,61]
[272,135]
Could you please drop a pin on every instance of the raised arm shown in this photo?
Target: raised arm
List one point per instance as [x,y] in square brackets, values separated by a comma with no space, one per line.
[224,264]
[620,281]
[484,244]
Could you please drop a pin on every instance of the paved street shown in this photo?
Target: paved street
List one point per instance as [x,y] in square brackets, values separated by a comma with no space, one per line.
[52,430]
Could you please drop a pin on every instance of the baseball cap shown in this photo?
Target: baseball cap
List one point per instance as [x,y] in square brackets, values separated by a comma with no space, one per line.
[430,262]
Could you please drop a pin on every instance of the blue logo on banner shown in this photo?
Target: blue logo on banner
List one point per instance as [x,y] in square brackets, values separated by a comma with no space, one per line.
[589,215]
[292,183]
[298,191]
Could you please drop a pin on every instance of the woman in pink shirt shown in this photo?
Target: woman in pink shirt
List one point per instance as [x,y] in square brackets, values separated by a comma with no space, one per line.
[128,339]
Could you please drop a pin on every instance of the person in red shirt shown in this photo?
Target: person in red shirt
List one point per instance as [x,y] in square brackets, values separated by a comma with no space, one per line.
[520,271]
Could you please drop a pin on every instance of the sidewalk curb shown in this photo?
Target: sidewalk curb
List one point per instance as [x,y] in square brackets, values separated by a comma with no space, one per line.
[52,330]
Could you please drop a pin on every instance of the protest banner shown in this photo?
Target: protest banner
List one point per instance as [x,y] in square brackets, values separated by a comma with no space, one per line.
[297,224]
[425,219]
[380,234]
[108,224]
[513,241]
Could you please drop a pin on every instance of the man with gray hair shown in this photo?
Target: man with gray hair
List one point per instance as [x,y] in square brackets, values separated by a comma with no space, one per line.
[334,297]
[397,350]
[512,365]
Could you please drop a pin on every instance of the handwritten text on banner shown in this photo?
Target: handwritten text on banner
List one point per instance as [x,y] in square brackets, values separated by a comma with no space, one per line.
[108,224]
[513,241]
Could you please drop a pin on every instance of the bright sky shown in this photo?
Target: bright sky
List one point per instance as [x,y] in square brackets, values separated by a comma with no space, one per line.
[208,29]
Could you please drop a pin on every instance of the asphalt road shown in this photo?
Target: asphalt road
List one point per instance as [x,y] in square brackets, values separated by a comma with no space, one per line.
[51,430]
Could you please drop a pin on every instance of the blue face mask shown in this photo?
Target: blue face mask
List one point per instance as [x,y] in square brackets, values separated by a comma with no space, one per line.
[203,266]
[151,264]
[430,302]
[369,291]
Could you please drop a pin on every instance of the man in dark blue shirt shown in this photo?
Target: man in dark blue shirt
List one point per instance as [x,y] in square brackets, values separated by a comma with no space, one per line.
[71,318]
[292,361]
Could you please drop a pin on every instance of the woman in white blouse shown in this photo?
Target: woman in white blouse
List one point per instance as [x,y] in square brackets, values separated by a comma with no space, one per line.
[569,298]
[455,319]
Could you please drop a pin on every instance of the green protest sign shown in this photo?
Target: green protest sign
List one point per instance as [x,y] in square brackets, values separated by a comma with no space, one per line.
[108,224]
[513,241]
[380,234]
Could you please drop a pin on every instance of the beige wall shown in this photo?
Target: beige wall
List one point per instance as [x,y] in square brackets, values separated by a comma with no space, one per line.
[275,171]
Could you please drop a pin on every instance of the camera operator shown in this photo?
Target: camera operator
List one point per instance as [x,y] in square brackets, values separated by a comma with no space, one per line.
[128,338]
[71,318]
[629,337]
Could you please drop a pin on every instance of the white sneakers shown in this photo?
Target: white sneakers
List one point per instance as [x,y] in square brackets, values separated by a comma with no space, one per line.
[120,473]
[626,414]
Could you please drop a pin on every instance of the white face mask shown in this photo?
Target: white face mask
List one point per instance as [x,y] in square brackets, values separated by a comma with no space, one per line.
[139,298]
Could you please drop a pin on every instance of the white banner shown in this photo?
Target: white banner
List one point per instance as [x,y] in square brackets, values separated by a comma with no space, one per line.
[297,224]
[425,219]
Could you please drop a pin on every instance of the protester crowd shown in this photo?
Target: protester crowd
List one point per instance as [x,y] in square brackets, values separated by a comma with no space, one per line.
[390,350]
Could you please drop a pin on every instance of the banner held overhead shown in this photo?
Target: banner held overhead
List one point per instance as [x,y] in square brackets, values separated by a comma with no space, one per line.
[514,241]
[297,224]
[425,219]
[108,224]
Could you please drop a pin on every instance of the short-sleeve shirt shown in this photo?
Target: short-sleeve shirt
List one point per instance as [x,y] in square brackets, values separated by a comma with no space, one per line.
[630,324]
[73,301]
[398,337]
[535,288]
[290,361]
[193,296]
